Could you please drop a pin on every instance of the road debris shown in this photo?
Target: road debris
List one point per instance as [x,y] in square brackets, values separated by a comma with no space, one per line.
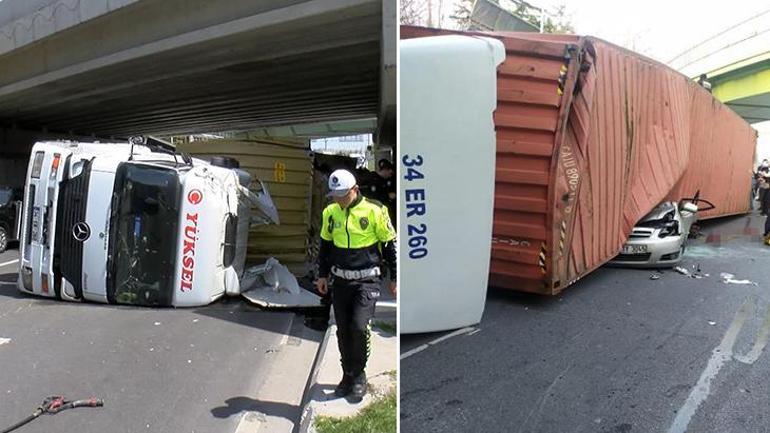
[744,282]
[696,272]
[712,323]
[4,341]
[654,276]
[53,405]
[272,285]
[729,278]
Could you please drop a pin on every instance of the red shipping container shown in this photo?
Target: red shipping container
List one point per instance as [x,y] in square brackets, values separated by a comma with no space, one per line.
[591,137]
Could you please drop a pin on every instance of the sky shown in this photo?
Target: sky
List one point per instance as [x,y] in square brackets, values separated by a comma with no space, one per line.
[656,28]
[659,29]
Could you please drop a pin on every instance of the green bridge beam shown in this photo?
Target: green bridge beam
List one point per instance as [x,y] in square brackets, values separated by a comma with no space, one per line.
[736,85]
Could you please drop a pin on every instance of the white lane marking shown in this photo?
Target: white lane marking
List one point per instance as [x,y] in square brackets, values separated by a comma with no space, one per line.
[287,333]
[9,263]
[719,356]
[436,341]
[543,398]
[759,345]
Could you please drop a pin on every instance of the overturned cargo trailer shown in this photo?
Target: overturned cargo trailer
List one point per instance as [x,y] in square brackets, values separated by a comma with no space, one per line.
[591,137]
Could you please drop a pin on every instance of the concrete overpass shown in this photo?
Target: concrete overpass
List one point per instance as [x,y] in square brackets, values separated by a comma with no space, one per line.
[736,62]
[121,67]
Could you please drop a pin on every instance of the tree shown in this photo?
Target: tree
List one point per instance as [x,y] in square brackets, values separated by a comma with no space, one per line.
[556,21]
[413,12]
[462,14]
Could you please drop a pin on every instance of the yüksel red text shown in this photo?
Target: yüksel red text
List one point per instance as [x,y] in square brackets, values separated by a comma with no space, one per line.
[188,251]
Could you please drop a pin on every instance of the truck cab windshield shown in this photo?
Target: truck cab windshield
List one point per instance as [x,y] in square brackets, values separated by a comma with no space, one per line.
[143,232]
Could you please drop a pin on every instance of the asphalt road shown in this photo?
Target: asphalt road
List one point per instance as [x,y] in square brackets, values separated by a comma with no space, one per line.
[616,352]
[158,370]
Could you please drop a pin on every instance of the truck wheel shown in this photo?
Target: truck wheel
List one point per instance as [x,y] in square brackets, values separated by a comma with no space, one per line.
[3,240]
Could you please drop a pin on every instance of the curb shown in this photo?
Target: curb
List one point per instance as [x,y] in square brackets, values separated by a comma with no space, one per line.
[307,416]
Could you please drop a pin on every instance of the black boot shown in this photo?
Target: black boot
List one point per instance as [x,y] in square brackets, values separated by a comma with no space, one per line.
[345,386]
[359,387]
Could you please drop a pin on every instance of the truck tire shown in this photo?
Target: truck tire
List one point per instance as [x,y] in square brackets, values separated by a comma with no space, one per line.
[225,161]
[3,240]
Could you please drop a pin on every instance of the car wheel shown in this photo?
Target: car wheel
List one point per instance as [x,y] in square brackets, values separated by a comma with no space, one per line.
[3,240]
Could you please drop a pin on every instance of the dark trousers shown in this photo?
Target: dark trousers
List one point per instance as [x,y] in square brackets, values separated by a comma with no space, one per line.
[762,198]
[353,303]
[767,225]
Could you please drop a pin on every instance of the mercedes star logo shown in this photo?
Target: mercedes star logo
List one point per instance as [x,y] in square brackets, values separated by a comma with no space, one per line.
[81,231]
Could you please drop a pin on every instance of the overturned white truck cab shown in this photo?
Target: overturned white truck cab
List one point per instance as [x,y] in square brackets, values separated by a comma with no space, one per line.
[134,223]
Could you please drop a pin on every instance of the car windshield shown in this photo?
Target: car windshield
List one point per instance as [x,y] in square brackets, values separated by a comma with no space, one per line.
[143,228]
[661,215]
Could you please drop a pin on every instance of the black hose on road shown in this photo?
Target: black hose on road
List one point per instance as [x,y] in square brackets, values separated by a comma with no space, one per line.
[53,405]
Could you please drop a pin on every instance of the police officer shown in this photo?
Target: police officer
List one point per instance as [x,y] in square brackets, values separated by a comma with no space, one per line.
[356,237]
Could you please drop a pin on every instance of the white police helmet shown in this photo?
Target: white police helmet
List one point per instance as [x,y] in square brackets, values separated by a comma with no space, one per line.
[340,182]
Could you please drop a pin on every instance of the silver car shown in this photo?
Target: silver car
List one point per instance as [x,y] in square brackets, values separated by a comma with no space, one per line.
[660,238]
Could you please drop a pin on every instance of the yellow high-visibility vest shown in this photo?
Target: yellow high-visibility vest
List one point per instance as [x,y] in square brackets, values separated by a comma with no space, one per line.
[363,224]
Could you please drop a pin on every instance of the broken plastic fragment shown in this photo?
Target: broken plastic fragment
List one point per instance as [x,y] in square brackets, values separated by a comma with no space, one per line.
[654,276]
[272,285]
[272,275]
[266,212]
[743,282]
[681,270]
[728,278]
[4,341]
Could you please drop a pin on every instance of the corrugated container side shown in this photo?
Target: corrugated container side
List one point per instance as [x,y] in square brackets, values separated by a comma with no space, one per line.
[529,120]
[721,158]
[634,118]
[590,138]
[286,169]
